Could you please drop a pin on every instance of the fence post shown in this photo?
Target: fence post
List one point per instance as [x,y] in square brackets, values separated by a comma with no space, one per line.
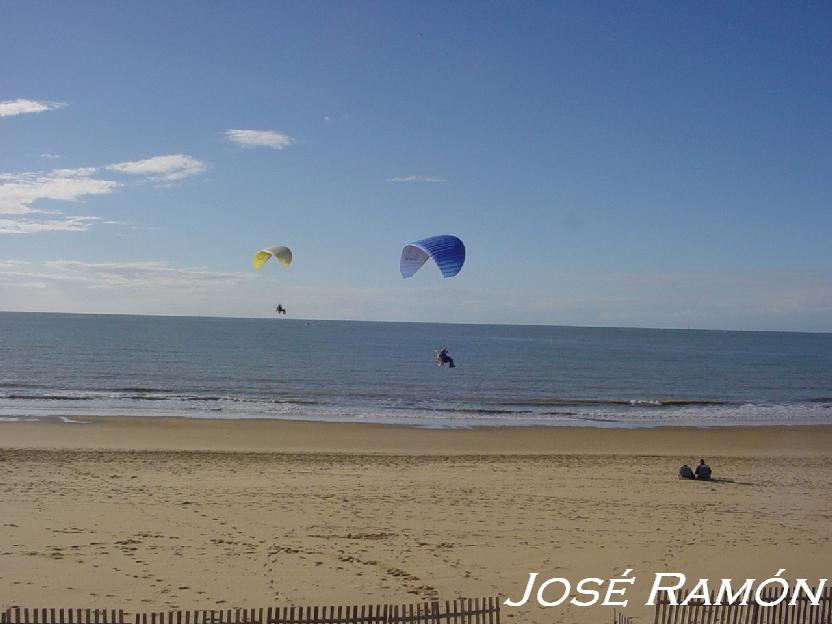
[755,612]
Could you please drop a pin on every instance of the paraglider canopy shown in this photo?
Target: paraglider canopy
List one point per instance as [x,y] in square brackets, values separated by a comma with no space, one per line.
[283,255]
[448,252]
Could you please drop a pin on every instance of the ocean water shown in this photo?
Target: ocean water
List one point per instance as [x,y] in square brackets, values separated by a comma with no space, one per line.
[67,367]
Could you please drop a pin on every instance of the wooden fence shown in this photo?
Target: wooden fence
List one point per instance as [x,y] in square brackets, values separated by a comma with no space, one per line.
[465,611]
[620,618]
[696,612]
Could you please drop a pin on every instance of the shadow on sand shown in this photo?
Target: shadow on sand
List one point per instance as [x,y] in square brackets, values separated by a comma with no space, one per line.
[719,481]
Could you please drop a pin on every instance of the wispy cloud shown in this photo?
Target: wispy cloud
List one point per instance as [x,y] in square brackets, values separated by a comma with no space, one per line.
[161,168]
[18,191]
[416,178]
[10,108]
[259,138]
[50,156]
[137,275]
[127,288]
[141,275]
[65,224]
[130,225]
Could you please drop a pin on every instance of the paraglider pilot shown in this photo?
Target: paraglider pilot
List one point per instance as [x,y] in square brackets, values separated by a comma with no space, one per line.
[280,309]
[443,358]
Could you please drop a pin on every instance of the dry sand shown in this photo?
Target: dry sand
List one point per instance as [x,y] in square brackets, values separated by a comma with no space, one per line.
[159,514]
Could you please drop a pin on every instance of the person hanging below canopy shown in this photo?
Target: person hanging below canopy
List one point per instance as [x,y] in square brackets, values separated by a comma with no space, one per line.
[442,358]
[448,252]
[283,255]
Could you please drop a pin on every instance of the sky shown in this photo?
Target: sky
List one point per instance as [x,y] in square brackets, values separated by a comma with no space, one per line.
[650,164]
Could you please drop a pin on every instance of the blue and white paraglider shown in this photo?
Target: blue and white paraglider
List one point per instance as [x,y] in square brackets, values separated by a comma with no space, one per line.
[448,252]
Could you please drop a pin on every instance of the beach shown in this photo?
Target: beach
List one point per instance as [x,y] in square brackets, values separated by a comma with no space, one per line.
[167,513]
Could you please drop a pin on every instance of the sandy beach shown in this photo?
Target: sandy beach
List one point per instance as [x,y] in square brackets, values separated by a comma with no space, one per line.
[172,513]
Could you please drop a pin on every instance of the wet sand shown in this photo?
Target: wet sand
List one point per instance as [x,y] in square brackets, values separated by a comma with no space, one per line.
[170,513]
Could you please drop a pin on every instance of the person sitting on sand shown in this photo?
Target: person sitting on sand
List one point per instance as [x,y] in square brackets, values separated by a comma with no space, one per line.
[685,472]
[703,471]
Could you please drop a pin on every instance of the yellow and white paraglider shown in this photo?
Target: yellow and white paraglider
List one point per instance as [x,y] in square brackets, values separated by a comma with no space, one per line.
[283,256]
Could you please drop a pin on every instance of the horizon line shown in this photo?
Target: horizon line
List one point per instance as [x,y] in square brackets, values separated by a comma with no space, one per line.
[325,320]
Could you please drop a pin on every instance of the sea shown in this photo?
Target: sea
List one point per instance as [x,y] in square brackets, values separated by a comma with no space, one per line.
[68,367]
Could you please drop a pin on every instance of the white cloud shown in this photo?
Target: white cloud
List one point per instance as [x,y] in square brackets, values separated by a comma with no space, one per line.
[161,168]
[77,172]
[416,178]
[140,275]
[128,288]
[66,224]
[259,138]
[119,275]
[10,108]
[18,191]
[50,156]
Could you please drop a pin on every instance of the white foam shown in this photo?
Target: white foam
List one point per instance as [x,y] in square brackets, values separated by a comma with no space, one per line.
[74,422]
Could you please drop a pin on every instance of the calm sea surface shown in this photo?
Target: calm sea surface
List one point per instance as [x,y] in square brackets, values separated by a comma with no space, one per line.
[55,366]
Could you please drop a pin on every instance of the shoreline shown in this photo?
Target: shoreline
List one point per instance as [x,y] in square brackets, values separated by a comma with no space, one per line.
[295,436]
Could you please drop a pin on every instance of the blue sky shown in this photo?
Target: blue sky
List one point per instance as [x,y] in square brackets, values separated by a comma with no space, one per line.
[638,164]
